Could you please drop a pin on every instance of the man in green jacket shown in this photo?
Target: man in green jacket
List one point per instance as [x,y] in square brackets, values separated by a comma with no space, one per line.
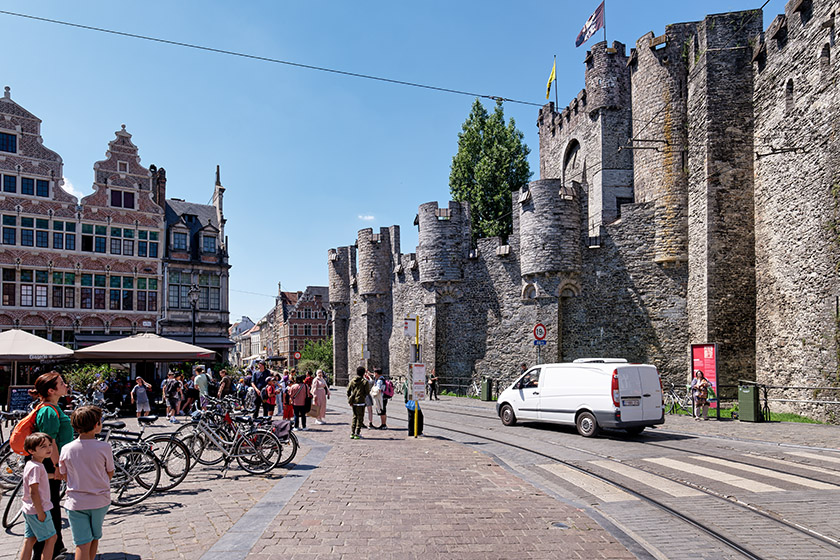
[357,391]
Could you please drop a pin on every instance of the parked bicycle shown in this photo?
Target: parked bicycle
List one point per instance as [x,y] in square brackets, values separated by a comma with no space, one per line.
[136,469]
[214,437]
[675,400]
[11,464]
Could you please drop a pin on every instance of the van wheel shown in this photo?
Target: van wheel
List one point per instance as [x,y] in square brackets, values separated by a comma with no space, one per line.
[507,415]
[635,431]
[586,424]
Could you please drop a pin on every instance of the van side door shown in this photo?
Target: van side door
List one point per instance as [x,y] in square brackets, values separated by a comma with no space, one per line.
[555,403]
[526,397]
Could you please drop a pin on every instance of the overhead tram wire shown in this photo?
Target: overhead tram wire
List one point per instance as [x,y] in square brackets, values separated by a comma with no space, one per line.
[269,59]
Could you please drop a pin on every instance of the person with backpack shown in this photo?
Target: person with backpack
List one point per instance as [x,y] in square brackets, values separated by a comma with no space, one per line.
[258,382]
[269,397]
[357,391]
[171,390]
[51,420]
[297,394]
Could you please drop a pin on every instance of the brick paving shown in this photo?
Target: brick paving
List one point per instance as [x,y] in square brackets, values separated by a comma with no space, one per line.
[385,496]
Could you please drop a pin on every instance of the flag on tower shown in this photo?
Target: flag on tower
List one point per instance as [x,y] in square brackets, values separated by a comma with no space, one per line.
[551,78]
[593,24]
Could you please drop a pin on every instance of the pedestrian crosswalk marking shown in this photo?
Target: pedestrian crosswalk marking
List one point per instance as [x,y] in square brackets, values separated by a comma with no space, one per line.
[601,490]
[726,478]
[802,466]
[828,458]
[671,488]
[816,484]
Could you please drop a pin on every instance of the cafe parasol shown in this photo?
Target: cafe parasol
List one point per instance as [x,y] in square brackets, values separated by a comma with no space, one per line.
[20,346]
[144,347]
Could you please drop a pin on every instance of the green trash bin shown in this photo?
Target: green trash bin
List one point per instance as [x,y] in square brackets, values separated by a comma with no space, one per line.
[749,409]
[486,389]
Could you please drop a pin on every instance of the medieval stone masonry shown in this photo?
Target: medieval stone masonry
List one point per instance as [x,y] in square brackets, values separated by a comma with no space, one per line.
[689,194]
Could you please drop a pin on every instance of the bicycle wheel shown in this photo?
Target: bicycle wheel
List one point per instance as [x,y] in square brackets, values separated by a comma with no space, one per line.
[258,452]
[14,507]
[136,476]
[670,403]
[11,467]
[174,459]
[289,450]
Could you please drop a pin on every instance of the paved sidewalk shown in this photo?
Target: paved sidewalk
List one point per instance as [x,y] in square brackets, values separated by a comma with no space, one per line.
[388,496]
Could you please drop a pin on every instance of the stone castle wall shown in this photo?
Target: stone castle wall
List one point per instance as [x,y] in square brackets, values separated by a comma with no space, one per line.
[690,194]
[797,150]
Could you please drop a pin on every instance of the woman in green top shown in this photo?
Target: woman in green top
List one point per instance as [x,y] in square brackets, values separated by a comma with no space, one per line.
[52,421]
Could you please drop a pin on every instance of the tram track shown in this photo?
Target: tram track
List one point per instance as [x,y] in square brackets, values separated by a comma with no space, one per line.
[771,517]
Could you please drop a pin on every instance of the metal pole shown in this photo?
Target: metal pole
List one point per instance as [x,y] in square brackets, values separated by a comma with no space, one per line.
[193,322]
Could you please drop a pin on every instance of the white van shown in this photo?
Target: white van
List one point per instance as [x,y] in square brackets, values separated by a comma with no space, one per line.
[589,393]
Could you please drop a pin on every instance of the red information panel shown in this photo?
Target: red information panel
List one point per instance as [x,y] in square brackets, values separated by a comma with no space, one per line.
[704,358]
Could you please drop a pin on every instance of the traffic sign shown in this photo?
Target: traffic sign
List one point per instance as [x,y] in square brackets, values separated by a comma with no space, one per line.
[540,331]
[296,355]
[539,343]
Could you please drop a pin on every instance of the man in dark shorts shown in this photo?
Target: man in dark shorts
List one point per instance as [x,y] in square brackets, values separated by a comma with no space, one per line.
[170,393]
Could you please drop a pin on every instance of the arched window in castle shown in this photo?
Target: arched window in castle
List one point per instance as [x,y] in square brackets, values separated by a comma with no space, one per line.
[529,291]
[570,167]
[789,96]
[825,62]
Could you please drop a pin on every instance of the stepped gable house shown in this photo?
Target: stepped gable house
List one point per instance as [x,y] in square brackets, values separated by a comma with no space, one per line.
[80,272]
[689,194]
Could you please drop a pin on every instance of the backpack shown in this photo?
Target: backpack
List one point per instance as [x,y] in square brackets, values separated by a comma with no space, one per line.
[24,428]
[389,389]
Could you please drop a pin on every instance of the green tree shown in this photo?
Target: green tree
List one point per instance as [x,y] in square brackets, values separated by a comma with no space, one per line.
[317,355]
[492,161]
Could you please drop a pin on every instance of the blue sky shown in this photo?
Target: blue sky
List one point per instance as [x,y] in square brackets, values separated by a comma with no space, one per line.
[308,158]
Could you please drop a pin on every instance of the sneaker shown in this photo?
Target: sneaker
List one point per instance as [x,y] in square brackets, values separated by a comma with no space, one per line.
[371,426]
[352,436]
[303,428]
[383,427]
[174,420]
[358,436]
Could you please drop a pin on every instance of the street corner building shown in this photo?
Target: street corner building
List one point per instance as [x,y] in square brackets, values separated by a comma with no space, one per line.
[689,194]
[117,262]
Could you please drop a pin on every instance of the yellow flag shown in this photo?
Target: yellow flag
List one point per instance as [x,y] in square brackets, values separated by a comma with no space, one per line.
[551,78]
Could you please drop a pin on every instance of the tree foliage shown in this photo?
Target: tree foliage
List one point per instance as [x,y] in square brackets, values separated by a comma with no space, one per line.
[317,355]
[82,377]
[492,161]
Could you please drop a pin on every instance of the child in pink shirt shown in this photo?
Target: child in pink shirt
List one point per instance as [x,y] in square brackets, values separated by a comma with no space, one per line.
[37,517]
[89,466]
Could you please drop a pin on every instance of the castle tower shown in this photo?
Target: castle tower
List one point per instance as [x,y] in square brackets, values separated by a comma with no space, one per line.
[341,266]
[372,312]
[549,226]
[721,297]
[659,75]
[444,241]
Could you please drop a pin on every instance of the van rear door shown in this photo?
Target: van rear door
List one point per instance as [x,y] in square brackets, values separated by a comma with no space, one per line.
[640,393]
[630,394]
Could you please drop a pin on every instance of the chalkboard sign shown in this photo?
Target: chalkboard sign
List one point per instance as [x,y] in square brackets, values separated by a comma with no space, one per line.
[19,398]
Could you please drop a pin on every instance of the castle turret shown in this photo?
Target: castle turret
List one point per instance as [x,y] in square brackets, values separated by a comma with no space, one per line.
[339,269]
[659,74]
[374,261]
[607,83]
[549,226]
[444,241]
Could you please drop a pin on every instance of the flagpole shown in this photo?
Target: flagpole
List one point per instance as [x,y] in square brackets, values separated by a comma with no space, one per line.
[556,103]
[605,23]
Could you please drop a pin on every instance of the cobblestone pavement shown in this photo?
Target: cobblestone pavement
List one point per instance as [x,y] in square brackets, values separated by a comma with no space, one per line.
[385,496]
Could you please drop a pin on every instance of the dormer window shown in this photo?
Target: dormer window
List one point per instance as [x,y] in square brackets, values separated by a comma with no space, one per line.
[122,199]
[8,143]
[179,241]
[208,244]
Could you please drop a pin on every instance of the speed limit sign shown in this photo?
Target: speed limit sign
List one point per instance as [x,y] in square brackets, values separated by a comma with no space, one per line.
[539,331]
[296,355]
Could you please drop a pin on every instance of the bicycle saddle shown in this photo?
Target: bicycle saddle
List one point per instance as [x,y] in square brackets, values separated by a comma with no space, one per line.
[116,424]
[147,420]
[244,418]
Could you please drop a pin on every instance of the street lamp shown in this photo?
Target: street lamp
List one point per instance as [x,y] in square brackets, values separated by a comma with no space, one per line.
[193,295]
